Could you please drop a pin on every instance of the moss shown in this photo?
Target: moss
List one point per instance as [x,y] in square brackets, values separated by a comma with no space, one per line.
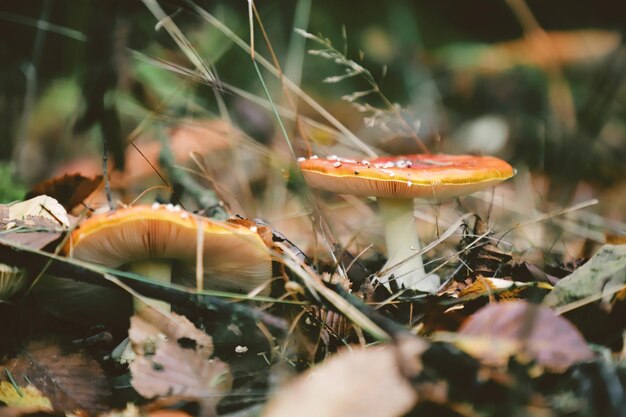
[11,189]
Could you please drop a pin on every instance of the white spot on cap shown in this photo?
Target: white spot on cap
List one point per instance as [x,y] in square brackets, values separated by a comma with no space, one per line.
[301,159]
[333,158]
[409,184]
[253,229]
[184,215]
[337,164]
[314,157]
[155,206]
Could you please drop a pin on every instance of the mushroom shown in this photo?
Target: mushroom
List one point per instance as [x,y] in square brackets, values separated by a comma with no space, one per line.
[396,181]
[150,239]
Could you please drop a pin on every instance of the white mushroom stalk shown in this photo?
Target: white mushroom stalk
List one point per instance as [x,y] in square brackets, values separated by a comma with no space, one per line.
[403,245]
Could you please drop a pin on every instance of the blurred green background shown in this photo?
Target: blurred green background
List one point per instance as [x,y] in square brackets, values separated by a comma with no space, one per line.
[71,71]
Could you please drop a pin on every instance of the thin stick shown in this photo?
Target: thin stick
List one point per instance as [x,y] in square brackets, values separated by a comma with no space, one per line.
[105,172]
[12,381]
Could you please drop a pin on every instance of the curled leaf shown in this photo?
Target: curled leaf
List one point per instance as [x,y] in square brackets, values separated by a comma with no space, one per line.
[69,190]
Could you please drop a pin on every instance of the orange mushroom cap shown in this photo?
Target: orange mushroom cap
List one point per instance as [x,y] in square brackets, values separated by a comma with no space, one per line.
[435,177]
[234,256]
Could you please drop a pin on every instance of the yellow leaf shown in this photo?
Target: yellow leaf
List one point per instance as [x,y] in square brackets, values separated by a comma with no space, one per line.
[30,397]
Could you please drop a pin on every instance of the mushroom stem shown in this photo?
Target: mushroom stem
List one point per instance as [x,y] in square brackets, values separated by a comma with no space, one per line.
[158,270]
[403,243]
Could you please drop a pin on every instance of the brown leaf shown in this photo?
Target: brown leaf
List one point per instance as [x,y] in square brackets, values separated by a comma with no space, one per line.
[173,359]
[361,382]
[69,190]
[518,328]
[70,380]
[34,239]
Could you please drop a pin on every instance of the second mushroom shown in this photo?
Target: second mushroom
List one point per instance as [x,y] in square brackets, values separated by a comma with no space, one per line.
[149,240]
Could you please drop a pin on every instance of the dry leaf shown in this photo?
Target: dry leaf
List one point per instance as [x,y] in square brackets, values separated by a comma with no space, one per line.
[71,381]
[486,286]
[37,208]
[361,382]
[35,222]
[605,271]
[69,190]
[28,396]
[173,359]
[518,328]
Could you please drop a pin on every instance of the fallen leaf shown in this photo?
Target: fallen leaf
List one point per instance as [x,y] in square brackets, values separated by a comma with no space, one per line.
[28,396]
[38,208]
[71,381]
[359,382]
[529,331]
[606,270]
[486,286]
[69,190]
[173,358]
[36,239]
[36,222]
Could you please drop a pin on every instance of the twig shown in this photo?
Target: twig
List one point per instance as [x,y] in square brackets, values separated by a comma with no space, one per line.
[12,381]
[203,196]
[105,172]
